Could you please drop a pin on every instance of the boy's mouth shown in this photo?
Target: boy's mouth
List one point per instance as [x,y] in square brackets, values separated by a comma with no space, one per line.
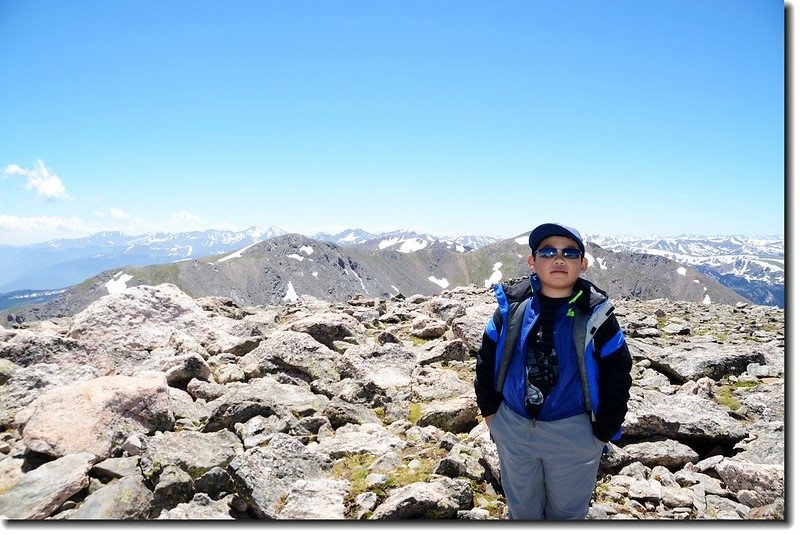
[564,271]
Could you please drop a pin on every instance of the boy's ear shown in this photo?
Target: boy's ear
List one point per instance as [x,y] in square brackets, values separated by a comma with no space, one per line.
[584,264]
[531,264]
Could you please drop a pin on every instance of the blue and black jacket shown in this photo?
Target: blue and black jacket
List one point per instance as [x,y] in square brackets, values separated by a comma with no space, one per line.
[599,384]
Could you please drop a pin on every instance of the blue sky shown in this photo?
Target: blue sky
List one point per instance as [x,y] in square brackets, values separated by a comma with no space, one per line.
[451,117]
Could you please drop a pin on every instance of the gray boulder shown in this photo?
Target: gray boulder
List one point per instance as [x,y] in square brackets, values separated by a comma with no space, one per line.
[40,492]
[442,498]
[352,439]
[389,366]
[193,452]
[691,361]
[263,396]
[442,351]
[129,324]
[432,383]
[340,412]
[97,415]
[318,499]
[201,507]
[755,485]
[117,467]
[28,347]
[471,325]
[297,354]
[7,370]
[428,328]
[680,417]
[123,499]
[444,309]
[29,383]
[264,475]
[327,327]
[666,452]
[457,415]
[174,486]
[462,461]
[181,368]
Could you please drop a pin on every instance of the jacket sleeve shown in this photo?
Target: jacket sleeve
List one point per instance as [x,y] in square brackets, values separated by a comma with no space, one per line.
[488,399]
[614,366]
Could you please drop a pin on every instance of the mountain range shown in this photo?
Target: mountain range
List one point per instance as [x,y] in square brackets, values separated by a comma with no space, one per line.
[751,266]
[60,263]
[280,269]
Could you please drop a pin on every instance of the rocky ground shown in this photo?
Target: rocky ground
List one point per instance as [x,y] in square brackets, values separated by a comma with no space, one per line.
[153,405]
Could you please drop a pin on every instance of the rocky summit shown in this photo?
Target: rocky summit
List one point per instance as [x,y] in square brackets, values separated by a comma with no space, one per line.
[151,404]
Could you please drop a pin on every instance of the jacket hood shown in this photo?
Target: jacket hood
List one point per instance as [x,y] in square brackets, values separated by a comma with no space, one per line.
[519,290]
[590,297]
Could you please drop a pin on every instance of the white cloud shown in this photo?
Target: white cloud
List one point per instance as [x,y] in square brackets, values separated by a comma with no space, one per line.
[15,230]
[119,214]
[13,169]
[184,221]
[41,179]
[12,223]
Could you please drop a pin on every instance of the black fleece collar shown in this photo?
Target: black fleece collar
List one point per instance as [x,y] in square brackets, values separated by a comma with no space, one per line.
[590,296]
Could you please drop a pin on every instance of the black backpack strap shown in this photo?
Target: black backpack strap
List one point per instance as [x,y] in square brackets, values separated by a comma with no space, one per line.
[584,327]
[515,314]
[579,323]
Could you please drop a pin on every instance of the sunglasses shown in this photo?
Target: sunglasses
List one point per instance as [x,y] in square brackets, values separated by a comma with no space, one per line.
[570,253]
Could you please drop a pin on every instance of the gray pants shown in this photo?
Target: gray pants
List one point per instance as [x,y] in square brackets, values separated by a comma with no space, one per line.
[548,471]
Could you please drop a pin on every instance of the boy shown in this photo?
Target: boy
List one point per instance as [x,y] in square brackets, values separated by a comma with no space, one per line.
[550,407]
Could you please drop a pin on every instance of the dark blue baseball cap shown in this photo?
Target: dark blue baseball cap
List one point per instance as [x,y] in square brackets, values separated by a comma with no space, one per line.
[554,229]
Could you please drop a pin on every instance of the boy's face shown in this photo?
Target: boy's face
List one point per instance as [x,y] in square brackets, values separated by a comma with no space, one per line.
[557,275]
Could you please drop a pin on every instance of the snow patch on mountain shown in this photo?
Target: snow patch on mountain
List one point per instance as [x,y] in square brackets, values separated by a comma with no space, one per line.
[522,240]
[118,283]
[296,257]
[388,242]
[307,249]
[599,260]
[291,296]
[681,271]
[360,281]
[39,294]
[444,283]
[181,250]
[413,244]
[236,254]
[496,275]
